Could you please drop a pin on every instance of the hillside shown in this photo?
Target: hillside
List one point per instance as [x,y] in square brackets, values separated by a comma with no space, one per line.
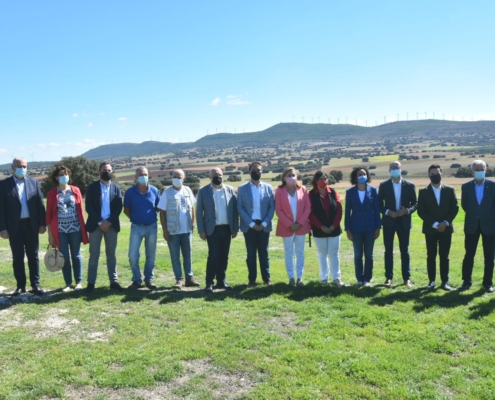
[341,133]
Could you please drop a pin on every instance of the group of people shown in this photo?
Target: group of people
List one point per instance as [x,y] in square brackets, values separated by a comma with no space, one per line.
[220,212]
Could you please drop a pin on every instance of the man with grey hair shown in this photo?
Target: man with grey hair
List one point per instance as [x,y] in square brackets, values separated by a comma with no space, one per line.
[478,202]
[140,205]
[177,218]
[218,223]
[22,219]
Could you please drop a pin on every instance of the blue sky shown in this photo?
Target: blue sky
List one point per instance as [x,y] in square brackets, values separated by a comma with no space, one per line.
[74,75]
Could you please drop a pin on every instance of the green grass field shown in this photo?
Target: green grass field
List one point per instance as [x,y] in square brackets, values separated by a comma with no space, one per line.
[314,342]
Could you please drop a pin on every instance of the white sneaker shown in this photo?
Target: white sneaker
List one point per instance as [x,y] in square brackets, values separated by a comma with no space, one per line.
[338,283]
[66,289]
[360,283]
[367,284]
[78,287]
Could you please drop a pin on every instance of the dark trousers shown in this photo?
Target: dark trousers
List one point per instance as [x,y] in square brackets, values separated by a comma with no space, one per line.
[218,254]
[363,244]
[257,242]
[441,242]
[388,241]
[25,242]
[470,245]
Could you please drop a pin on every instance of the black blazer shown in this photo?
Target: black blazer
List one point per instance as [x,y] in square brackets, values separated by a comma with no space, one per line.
[93,206]
[430,212]
[479,214]
[10,205]
[409,200]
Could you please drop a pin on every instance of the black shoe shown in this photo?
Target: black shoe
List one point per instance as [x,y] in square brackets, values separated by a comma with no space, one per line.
[116,286]
[90,287]
[431,285]
[252,284]
[37,290]
[150,285]
[209,289]
[223,285]
[446,286]
[18,291]
[465,286]
[489,289]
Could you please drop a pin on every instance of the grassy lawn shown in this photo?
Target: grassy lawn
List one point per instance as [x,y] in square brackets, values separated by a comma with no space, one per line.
[314,342]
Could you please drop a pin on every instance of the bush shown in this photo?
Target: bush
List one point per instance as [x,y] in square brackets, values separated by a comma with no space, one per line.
[235,178]
[463,172]
[455,165]
[337,175]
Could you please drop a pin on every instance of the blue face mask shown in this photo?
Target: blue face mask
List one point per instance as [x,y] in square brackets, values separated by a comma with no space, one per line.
[20,172]
[64,179]
[479,175]
[395,173]
[143,180]
[362,179]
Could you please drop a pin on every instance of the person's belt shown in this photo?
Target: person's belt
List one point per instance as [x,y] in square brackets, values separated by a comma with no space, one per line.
[25,219]
[222,225]
[134,223]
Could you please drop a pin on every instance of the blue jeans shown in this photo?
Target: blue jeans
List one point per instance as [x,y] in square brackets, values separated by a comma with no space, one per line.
[178,243]
[257,242]
[363,243]
[71,241]
[388,241]
[149,234]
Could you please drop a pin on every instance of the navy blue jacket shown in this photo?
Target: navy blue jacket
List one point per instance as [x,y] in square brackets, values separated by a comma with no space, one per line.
[93,206]
[365,216]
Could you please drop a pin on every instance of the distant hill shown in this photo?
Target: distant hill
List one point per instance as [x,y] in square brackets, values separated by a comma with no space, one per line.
[437,129]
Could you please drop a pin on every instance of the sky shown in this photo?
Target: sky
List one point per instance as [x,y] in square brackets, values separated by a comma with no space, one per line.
[75,75]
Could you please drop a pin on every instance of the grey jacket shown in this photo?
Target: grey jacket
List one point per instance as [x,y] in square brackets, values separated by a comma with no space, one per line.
[205,209]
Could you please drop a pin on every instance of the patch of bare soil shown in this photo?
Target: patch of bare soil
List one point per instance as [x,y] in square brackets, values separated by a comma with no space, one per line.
[200,377]
[284,325]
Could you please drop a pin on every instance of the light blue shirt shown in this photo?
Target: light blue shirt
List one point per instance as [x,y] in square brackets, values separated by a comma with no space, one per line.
[21,186]
[480,190]
[105,201]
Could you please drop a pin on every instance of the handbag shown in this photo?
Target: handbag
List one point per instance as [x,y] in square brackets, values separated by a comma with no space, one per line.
[54,259]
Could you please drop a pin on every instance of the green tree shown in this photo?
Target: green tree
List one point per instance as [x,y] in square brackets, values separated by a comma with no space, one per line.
[84,172]
[338,175]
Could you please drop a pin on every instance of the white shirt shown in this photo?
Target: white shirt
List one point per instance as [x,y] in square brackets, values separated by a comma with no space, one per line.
[21,184]
[183,218]
[437,191]
[105,201]
[255,192]
[220,198]
[293,204]
[361,193]
[398,192]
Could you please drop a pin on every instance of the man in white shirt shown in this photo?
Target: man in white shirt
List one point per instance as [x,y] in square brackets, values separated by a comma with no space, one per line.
[177,218]
[437,207]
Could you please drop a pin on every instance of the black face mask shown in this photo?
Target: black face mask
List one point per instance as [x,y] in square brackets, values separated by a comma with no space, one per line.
[435,179]
[255,175]
[106,176]
[217,180]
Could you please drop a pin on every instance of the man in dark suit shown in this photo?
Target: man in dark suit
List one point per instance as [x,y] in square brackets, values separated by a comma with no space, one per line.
[22,219]
[398,201]
[103,205]
[218,222]
[437,207]
[478,201]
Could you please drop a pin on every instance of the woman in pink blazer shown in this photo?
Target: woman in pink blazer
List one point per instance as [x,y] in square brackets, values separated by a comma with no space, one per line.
[293,207]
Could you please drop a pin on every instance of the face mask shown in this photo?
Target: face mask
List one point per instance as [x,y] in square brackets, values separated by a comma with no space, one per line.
[255,175]
[106,176]
[177,182]
[20,172]
[362,179]
[143,180]
[435,179]
[322,184]
[64,179]
[290,180]
[217,180]
[479,175]
[395,173]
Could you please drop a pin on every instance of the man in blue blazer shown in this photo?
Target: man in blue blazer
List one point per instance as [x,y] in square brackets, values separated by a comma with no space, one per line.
[256,205]
[22,219]
[478,202]
[398,201]
[103,205]
[218,223]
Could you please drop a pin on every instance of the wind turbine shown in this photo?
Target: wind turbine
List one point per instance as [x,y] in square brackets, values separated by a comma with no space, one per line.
[328,120]
[397,117]
[417,116]
[346,120]
[338,120]
[426,113]
[318,119]
[433,115]
[311,119]
[32,156]
[407,116]
[384,120]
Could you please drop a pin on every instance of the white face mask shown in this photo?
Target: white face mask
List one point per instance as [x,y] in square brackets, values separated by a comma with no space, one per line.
[177,182]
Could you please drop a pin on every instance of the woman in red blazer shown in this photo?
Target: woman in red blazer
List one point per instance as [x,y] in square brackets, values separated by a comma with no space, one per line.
[293,207]
[65,223]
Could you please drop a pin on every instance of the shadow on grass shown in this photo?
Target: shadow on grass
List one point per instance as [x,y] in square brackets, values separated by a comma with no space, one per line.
[482,310]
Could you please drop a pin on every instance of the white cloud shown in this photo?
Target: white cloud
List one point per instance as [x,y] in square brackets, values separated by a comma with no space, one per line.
[54,144]
[3,150]
[42,145]
[215,101]
[75,115]
[90,124]
[122,119]
[236,100]
[87,144]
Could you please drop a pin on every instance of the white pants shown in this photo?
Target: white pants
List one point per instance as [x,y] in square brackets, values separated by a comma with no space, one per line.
[328,252]
[294,245]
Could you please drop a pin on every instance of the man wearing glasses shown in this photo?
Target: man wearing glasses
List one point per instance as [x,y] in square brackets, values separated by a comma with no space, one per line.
[398,201]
